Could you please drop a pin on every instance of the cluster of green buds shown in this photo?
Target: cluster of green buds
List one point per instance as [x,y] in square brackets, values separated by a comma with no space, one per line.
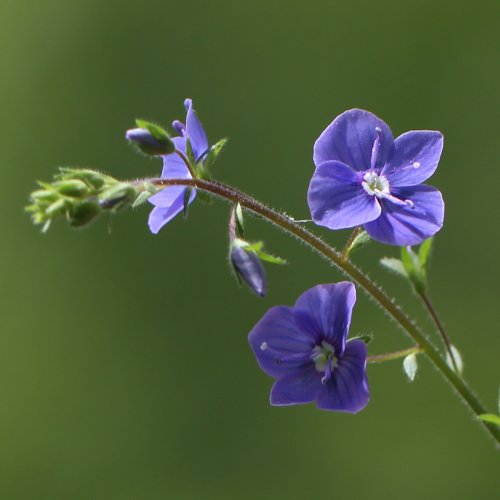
[81,195]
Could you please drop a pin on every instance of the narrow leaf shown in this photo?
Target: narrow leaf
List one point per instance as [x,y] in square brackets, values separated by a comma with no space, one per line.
[362,239]
[365,337]
[214,152]
[394,265]
[424,252]
[490,418]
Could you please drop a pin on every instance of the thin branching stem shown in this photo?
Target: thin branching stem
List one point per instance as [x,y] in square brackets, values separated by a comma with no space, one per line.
[390,356]
[439,325]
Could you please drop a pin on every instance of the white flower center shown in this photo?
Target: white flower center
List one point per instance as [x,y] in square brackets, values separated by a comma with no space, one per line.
[376,185]
[322,355]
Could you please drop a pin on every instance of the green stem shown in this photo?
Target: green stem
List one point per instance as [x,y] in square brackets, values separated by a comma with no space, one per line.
[349,269]
[183,157]
[434,315]
[389,356]
[352,237]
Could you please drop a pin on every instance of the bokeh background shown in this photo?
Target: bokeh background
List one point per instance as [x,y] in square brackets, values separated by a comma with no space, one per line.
[124,366]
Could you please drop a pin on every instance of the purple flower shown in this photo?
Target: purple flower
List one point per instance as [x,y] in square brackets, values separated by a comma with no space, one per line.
[170,201]
[304,348]
[365,177]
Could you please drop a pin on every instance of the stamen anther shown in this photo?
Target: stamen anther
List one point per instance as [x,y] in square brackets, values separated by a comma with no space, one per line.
[416,164]
[263,346]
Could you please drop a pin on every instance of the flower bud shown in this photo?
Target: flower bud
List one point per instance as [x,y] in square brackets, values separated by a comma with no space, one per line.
[149,143]
[249,268]
[117,194]
[72,187]
[83,212]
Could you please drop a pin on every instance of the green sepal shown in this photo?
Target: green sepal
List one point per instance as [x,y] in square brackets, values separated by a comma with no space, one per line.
[238,217]
[491,418]
[190,152]
[149,189]
[214,152]
[361,240]
[164,145]
[56,208]
[394,265]
[410,366]
[365,337]
[258,248]
[416,273]
[187,195]
[424,252]
[142,198]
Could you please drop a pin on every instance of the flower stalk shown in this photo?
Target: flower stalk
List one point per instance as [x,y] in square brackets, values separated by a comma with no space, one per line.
[349,269]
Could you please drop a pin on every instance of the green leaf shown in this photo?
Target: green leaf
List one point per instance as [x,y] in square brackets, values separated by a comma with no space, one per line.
[258,248]
[214,152]
[414,270]
[410,366]
[238,216]
[365,337]
[394,265]
[362,239]
[424,252]
[490,418]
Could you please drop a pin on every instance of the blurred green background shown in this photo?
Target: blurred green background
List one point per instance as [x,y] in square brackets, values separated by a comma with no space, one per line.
[124,366]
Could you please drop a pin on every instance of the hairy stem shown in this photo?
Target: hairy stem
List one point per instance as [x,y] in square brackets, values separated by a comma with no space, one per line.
[349,269]
[347,246]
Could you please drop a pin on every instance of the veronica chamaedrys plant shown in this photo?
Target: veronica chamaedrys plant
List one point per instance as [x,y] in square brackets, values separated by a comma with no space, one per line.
[171,201]
[365,177]
[305,349]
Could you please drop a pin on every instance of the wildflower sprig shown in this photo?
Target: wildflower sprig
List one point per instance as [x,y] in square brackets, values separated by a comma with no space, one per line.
[363,178]
[80,195]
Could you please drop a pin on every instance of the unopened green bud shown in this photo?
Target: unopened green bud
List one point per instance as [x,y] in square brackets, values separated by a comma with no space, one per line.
[83,212]
[91,177]
[43,195]
[72,187]
[118,194]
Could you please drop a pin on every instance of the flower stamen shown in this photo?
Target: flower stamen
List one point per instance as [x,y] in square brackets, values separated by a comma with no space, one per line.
[378,185]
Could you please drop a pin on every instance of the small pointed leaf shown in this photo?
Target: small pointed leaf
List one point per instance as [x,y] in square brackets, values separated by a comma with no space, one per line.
[362,239]
[394,265]
[424,252]
[365,337]
[214,152]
